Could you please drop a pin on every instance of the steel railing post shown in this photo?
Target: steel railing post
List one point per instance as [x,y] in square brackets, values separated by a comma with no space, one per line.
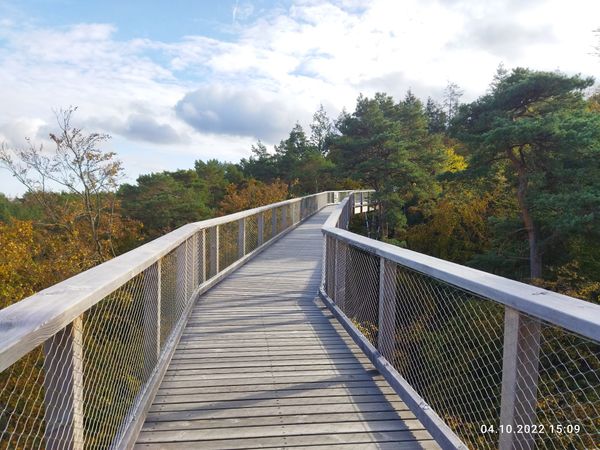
[180,279]
[152,309]
[386,337]
[273,222]
[339,290]
[519,380]
[261,228]
[214,251]
[241,238]
[202,256]
[63,388]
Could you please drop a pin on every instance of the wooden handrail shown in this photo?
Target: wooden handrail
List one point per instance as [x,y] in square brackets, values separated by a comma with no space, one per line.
[575,315]
[30,322]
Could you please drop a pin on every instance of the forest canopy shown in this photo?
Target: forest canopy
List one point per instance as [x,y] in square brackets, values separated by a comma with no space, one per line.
[509,183]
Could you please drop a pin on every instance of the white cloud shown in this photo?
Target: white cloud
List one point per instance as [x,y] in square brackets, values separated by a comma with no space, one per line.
[14,132]
[204,97]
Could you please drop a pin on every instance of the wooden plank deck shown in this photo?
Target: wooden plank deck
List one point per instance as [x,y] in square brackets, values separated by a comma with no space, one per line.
[263,364]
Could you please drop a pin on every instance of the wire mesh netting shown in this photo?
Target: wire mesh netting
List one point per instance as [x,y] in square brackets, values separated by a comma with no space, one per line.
[114,360]
[48,402]
[201,261]
[22,403]
[280,215]
[168,294]
[211,239]
[358,290]
[291,214]
[448,343]
[568,395]
[267,225]
[83,386]
[228,244]
[251,240]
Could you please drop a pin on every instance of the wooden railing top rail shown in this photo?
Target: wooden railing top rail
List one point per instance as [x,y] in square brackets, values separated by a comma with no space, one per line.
[570,313]
[30,322]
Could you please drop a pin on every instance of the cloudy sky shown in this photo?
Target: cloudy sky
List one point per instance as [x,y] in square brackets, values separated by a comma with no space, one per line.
[182,80]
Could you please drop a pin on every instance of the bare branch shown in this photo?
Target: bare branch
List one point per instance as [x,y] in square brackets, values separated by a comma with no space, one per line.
[77,165]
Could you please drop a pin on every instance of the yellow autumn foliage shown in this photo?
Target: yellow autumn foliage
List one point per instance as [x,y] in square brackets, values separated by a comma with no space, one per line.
[454,162]
[252,195]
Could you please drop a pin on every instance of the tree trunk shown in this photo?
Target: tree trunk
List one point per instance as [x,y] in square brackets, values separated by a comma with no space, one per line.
[535,256]
[381,228]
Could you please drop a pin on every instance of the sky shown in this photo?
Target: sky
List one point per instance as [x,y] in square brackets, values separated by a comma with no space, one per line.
[177,81]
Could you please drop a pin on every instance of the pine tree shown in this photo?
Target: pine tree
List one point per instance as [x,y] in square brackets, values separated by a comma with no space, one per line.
[537,128]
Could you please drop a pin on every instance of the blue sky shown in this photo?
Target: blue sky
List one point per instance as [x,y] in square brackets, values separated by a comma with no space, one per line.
[159,20]
[176,81]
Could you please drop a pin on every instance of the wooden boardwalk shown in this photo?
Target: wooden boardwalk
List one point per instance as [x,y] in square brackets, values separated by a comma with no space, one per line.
[263,364]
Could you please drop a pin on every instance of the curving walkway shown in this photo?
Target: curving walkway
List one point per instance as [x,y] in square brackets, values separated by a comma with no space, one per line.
[263,364]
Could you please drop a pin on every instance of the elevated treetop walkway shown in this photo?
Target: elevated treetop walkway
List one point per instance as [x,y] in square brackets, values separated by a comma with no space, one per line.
[212,337]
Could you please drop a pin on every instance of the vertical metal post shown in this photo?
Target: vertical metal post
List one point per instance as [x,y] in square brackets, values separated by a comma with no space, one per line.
[152,298]
[181,293]
[214,251]
[386,337]
[360,197]
[339,289]
[241,238]
[202,256]
[261,228]
[273,222]
[350,210]
[63,388]
[333,267]
[330,264]
[519,379]
[284,214]
[194,254]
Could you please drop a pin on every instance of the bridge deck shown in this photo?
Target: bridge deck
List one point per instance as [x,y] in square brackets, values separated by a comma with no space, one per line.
[262,364]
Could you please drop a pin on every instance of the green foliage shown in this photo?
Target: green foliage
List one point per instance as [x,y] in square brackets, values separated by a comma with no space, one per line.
[167,200]
[512,181]
[536,129]
[299,161]
[387,146]
[215,176]
[437,118]
[260,165]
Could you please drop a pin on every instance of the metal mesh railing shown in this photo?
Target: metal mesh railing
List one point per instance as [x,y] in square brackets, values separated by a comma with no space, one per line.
[358,295]
[85,385]
[251,238]
[448,345]
[22,402]
[536,385]
[568,404]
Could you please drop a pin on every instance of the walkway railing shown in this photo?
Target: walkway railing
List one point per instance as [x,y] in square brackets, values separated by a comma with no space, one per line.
[81,361]
[483,360]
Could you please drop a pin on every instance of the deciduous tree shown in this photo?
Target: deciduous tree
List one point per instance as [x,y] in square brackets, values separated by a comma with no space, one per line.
[252,194]
[78,166]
